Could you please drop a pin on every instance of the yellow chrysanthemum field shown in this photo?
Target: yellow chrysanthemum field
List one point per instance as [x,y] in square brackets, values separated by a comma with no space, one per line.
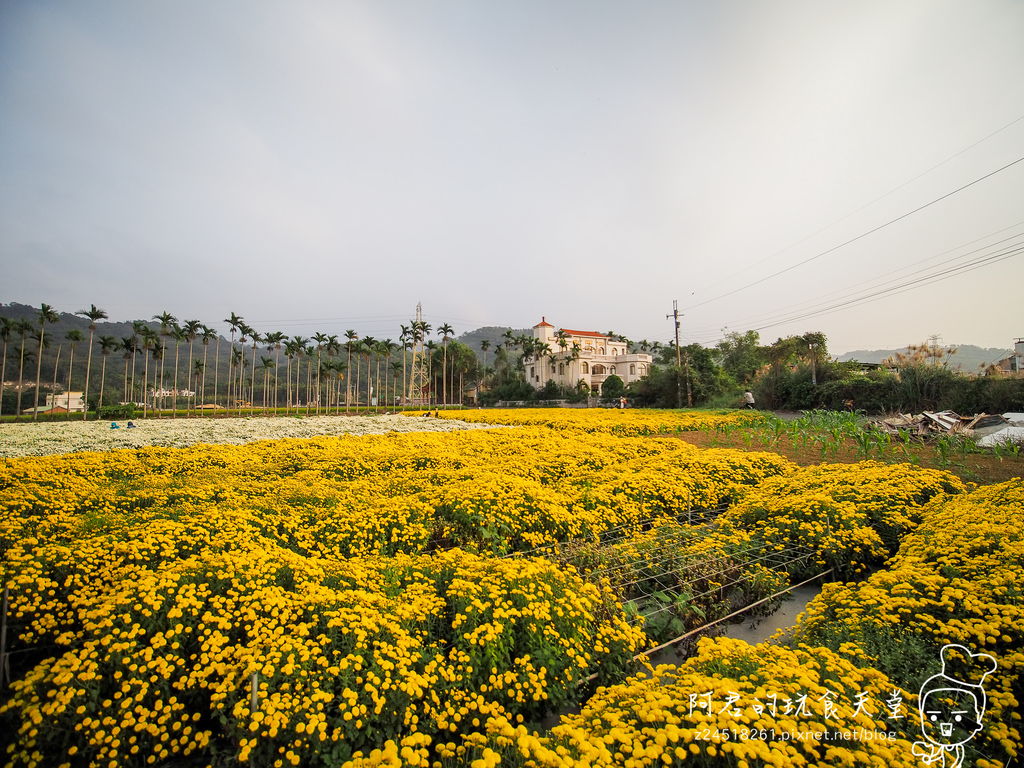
[485,597]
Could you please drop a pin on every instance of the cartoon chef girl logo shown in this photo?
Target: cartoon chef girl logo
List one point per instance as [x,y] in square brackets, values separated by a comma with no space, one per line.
[951,705]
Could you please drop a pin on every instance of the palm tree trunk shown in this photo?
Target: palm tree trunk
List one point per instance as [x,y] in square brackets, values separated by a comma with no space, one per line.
[103,377]
[252,382]
[53,387]
[277,356]
[174,397]
[287,385]
[145,383]
[348,388]
[88,368]
[39,369]
[163,395]
[309,379]
[21,376]
[71,368]
[3,375]
[376,408]
[206,348]
[216,372]
[318,369]
[357,385]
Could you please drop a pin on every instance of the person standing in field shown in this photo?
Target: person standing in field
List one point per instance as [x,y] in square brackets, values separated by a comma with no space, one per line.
[748,399]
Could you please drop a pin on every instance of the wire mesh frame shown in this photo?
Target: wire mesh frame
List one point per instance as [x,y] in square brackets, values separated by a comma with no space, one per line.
[743,578]
[627,531]
[710,624]
[702,514]
[767,555]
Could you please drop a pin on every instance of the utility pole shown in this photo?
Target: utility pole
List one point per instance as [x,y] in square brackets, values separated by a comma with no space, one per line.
[933,349]
[679,362]
[675,316]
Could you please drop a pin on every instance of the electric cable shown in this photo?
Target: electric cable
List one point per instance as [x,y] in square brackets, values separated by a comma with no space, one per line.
[867,205]
[858,237]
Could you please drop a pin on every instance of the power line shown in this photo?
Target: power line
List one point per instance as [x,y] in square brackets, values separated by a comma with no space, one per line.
[858,237]
[896,290]
[866,205]
[813,303]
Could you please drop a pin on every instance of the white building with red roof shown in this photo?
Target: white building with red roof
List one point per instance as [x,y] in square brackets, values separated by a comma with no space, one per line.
[568,357]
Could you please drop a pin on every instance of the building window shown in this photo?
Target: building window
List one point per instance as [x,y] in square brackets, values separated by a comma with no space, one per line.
[598,369]
[552,368]
[586,368]
[532,374]
[600,350]
[612,369]
[561,369]
[632,369]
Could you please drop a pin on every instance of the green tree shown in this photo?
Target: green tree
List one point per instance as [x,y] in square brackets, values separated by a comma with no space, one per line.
[75,337]
[243,336]
[46,315]
[191,330]
[300,352]
[127,352]
[267,364]
[178,334]
[92,314]
[208,335]
[199,380]
[107,345]
[740,355]
[138,328]
[25,329]
[445,331]
[7,329]
[320,339]
[149,344]
[405,342]
[275,340]
[166,321]
[386,348]
[612,389]
[234,322]
[814,347]
[291,350]
[366,350]
[351,337]
[255,337]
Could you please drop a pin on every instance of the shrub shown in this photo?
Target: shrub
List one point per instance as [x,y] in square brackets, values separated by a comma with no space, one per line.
[121,411]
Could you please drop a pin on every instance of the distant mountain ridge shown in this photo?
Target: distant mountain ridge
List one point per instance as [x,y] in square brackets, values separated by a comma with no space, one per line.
[967,358]
[495,334]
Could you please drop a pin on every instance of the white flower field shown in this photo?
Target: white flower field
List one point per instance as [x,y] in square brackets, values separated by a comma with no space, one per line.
[75,437]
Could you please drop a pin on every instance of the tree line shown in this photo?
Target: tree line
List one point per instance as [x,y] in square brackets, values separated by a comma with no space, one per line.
[169,363]
[796,373]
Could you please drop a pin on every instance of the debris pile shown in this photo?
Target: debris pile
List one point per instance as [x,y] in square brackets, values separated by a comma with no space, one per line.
[988,429]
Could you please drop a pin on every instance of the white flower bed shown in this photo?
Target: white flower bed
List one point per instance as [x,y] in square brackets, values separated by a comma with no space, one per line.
[73,437]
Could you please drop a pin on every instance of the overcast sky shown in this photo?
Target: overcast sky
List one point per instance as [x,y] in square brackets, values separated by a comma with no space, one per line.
[327,165]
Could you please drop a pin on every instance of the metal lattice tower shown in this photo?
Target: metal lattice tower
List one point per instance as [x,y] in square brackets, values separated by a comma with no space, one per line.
[419,378]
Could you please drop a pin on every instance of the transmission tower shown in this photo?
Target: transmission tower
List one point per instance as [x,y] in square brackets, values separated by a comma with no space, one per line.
[419,378]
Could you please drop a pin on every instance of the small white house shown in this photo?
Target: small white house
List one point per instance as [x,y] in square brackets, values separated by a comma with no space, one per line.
[66,402]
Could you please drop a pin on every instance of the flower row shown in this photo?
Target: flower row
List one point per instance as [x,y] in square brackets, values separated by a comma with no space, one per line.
[45,439]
